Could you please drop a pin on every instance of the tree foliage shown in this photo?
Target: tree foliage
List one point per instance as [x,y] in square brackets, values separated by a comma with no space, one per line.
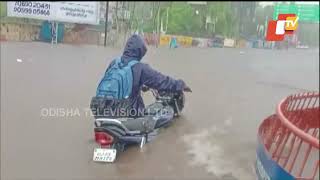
[3,9]
[226,18]
[183,19]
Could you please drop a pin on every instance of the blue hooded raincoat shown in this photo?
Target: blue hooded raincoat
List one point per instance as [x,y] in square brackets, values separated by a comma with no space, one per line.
[143,74]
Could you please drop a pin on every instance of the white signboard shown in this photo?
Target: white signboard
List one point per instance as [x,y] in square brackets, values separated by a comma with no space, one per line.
[229,43]
[74,12]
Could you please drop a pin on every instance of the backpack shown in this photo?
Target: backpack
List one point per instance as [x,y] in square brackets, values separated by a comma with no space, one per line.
[117,81]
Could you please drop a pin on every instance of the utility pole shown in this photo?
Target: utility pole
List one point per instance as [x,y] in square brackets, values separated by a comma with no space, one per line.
[167,19]
[158,24]
[117,16]
[158,19]
[106,24]
[132,17]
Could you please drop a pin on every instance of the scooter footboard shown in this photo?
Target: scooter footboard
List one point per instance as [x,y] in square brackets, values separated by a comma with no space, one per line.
[144,124]
[164,117]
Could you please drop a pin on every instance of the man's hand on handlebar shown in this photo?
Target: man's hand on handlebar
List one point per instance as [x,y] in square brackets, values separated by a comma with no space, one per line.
[145,88]
[187,89]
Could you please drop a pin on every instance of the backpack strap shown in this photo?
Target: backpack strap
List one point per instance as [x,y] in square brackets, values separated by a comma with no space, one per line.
[130,63]
[133,62]
[118,61]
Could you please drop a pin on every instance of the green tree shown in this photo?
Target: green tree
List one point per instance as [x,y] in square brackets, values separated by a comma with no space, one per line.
[3,8]
[183,19]
[263,14]
[226,19]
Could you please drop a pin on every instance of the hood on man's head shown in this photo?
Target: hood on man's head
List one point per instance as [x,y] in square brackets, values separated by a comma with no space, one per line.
[135,49]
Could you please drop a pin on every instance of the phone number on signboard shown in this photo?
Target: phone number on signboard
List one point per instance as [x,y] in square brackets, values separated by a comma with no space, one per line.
[32,5]
[32,8]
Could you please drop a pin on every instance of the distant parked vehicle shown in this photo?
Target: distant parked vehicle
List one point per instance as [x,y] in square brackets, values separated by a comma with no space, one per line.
[218,41]
[302,46]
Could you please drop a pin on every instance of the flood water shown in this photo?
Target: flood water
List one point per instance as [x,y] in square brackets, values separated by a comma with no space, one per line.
[47,130]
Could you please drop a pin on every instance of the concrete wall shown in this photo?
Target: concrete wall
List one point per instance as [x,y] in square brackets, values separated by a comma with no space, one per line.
[81,37]
[30,32]
[19,32]
[73,35]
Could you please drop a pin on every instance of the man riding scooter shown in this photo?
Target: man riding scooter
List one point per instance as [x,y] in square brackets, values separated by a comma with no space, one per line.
[126,76]
[120,88]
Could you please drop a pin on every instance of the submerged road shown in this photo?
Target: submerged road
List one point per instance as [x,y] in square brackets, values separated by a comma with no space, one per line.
[214,139]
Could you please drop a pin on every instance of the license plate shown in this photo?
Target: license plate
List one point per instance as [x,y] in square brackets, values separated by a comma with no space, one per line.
[104,155]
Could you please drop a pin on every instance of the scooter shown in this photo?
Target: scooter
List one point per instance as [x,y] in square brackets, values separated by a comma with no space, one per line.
[113,135]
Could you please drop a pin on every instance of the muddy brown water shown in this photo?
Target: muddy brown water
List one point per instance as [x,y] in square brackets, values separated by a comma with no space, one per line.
[215,138]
